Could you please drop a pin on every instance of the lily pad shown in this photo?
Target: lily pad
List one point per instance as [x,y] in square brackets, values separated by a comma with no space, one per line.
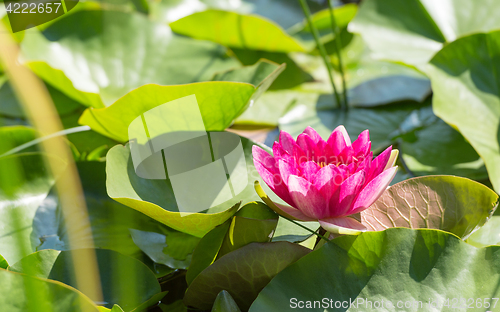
[376,266]
[125,281]
[250,268]
[413,31]
[236,30]
[464,78]
[453,204]
[97,56]
[156,199]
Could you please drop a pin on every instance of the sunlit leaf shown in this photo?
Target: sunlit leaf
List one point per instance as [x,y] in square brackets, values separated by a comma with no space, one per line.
[237,31]
[396,265]
[96,57]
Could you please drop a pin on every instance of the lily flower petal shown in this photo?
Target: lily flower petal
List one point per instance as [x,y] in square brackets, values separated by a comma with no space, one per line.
[306,197]
[372,191]
[313,134]
[339,140]
[267,169]
[345,194]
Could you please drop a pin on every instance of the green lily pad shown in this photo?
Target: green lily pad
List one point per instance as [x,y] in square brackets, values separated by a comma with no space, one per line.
[225,303]
[487,235]
[236,30]
[26,293]
[250,268]
[430,146]
[125,281]
[429,265]
[96,57]
[464,78]
[453,204]
[156,199]
[413,31]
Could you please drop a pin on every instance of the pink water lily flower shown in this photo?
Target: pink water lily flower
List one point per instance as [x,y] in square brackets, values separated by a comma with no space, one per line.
[326,181]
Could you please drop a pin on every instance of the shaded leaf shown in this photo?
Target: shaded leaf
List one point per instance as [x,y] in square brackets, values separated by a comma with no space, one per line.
[250,268]
[206,251]
[150,302]
[225,303]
